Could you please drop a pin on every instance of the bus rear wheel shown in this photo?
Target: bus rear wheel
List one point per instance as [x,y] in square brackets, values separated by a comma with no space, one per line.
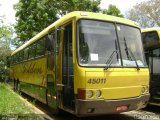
[16,86]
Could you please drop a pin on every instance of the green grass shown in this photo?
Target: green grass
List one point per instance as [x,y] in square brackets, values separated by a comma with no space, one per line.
[12,105]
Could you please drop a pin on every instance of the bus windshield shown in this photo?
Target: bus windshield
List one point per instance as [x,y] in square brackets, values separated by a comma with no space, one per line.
[98,40]
[131,43]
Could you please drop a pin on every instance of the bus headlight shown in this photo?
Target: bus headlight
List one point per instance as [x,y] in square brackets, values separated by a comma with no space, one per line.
[143,90]
[98,93]
[89,93]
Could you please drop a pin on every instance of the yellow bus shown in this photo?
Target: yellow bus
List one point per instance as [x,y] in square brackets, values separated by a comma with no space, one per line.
[151,41]
[84,63]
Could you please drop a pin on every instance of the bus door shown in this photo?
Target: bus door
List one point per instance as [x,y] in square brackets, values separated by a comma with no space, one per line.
[154,65]
[51,71]
[67,69]
[149,60]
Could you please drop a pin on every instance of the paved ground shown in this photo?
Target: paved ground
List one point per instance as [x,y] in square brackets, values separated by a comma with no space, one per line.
[149,113]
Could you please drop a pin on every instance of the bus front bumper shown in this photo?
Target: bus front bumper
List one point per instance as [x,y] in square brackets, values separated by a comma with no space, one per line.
[101,106]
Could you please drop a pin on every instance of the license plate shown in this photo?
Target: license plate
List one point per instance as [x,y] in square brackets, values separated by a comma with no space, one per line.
[122,108]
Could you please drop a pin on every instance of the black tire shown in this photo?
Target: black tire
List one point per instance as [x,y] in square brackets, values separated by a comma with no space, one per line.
[18,86]
[14,85]
[57,112]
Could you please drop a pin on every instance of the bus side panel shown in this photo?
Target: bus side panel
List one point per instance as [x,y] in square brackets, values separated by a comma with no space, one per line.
[35,91]
[33,72]
[32,77]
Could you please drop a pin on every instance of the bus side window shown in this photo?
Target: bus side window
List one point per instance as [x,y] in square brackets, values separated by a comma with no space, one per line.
[17,57]
[21,56]
[58,41]
[50,41]
[29,52]
[40,49]
[13,59]
[25,54]
[32,51]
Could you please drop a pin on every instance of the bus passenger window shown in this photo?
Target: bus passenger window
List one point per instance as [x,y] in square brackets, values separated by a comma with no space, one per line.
[50,42]
[32,51]
[25,54]
[17,57]
[58,41]
[21,56]
[40,49]
[13,58]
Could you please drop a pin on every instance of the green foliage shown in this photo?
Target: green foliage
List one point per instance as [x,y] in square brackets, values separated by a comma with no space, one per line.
[6,33]
[65,6]
[12,106]
[112,10]
[146,13]
[34,15]
[5,38]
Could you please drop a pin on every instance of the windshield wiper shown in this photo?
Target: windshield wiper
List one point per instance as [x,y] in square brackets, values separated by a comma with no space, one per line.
[134,59]
[126,50]
[110,60]
[128,55]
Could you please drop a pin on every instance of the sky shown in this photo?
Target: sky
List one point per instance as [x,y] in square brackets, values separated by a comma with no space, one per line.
[6,7]
[6,10]
[123,5]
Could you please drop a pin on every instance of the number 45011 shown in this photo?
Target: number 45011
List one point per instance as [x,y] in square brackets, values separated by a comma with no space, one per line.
[97,81]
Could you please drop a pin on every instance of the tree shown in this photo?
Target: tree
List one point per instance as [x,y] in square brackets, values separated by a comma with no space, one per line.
[34,15]
[6,33]
[66,6]
[112,10]
[147,13]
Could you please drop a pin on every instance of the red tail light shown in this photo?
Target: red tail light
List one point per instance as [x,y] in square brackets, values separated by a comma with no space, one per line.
[81,93]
